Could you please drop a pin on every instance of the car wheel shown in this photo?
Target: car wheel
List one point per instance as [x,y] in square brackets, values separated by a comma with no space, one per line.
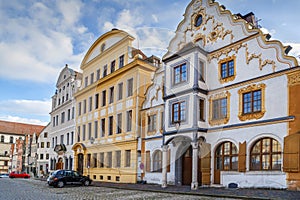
[86,183]
[60,184]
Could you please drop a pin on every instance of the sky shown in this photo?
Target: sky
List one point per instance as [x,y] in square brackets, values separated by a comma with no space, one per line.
[38,37]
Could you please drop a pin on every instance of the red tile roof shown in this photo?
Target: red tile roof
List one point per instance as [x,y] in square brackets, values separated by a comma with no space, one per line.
[20,128]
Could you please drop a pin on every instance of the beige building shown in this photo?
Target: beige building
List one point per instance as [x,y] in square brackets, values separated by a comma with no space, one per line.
[115,79]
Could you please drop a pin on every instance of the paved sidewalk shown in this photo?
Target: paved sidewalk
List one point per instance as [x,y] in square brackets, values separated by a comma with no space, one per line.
[209,191]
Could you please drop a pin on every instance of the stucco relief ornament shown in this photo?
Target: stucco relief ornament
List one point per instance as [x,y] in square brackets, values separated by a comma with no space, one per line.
[196,5]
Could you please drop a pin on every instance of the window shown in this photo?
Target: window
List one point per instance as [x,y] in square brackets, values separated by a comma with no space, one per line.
[219,109]
[42,144]
[84,106]
[47,156]
[63,117]
[121,61]
[72,138]
[178,112]
[86,80]
[53,121]
[88,161]
[92,78]
[90,130]
[119,123]
[227,69]
[226,157]
[201,71]
[45,134]
[112,66]
[266,154]
[105,71]
[68,138]
[69,114]
[78,134]
[120,91]
[101,160]
[198,20]
[130,87]
[111,95]
[90,103]
[96,129]
[79,108]
[157,161]
[96,101]
[109,159]
[127,158]
[129,120]
[48,144]
[110,125]
[2,138]
[11,139]
[83,132]
[152,123]
[251,102]
[201,110]
[180,73]
[95,160]
[102,127]
[73,112]
[62,139]
[98,74]
[118,159]
[104,98]
[41,156]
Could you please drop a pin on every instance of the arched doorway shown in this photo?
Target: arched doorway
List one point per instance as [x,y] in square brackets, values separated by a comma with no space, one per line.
[80,163]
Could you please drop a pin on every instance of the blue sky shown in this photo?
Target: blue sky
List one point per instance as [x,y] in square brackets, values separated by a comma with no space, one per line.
[38,37]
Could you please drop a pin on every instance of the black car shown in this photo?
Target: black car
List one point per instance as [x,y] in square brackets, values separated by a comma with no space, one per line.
[60,178]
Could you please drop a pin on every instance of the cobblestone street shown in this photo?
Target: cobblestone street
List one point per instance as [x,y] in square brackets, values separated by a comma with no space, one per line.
[36,189]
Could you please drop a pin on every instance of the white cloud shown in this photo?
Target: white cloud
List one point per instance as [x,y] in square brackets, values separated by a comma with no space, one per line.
[23,120]
[32,107]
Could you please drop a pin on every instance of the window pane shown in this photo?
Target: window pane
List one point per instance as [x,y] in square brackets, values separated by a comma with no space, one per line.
[182,111]
[276,162]
[255,162]
[265,161]
[231,68]
[224,70]
[266,148]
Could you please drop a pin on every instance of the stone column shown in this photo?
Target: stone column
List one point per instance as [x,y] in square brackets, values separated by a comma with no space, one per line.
[164,165]
[194,184]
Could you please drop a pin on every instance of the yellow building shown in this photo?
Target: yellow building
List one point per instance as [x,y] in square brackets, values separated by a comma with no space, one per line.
[115,79]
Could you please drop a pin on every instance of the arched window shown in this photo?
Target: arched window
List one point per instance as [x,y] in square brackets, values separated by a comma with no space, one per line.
[157,161]
[266,154]
[226,157]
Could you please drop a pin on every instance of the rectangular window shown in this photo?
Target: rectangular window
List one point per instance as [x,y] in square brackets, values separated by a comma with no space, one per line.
[83,132]
[101,160]
[68,138]
[105,71]
[119,123]
[53,121]
[201,71]
[162,120]
[110,125]
[92,78]
[127,158]
[79,108]
[62,117]
[109,159]
[96,101]
[111,95]
[47,156]
[121,61]
[88,160]
[86,81]
[42,144]
[84,106]
[41,156]
[48,144]
[118,159]
[90,130]
[120,91]
[219,109]
[227,69]
[62,139]
[104,98]
[56,120]
[152,123]
[112,66]
[179,112]
[98,74]
[69,114]
[73,112]
[90,104]
[52,142]
[129,120]
[11,139]
[96,129]
[78,134]
[180,73]
[130,87]
[95,160]
[103,127]
[201,110]
[72,138]
[252,102]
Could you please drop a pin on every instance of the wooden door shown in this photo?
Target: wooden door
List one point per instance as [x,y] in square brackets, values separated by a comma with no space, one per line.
[187,167]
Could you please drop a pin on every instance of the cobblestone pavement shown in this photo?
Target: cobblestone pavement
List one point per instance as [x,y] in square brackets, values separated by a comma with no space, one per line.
[33,189]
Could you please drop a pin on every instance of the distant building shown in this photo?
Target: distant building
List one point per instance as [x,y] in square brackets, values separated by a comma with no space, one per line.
[15,146]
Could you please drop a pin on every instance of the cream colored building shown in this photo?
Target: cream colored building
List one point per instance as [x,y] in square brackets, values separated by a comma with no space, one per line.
[115,79]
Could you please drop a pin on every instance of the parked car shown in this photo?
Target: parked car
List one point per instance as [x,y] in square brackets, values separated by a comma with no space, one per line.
[18,175]
[60,178]
[4,175]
